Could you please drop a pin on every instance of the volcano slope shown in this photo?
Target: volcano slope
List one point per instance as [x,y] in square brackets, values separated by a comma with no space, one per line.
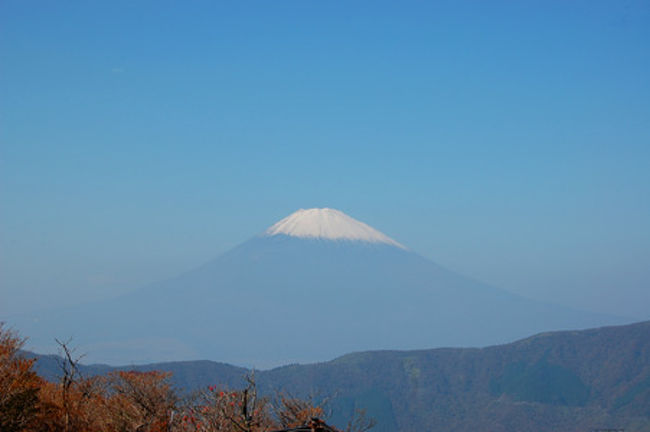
[315,285]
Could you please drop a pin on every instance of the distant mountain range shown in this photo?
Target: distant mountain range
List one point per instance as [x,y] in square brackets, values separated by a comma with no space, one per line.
[315,285]
[560,381]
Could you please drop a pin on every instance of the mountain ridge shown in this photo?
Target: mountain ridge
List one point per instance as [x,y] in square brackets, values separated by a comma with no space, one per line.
[566,380]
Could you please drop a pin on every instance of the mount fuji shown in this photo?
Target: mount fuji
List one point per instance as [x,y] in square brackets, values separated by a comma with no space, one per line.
[315,285]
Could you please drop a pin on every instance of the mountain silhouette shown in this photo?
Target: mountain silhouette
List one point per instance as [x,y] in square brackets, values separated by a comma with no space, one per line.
[315,285]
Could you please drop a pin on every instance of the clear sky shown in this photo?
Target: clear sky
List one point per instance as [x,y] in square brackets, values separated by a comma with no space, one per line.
[509,141]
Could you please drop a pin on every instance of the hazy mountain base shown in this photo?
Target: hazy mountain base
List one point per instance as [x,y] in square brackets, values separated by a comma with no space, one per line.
[278,300]
[561,381]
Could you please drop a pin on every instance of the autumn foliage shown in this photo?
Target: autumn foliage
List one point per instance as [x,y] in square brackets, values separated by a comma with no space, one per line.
[19,384]
[130,401]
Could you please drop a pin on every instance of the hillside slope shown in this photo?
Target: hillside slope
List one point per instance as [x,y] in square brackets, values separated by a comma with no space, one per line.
[559,381]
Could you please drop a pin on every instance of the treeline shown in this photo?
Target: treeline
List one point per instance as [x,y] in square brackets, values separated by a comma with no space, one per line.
[137,401]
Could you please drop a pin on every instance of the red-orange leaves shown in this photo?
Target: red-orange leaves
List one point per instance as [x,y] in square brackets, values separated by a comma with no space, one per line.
[140,401]
[19,384]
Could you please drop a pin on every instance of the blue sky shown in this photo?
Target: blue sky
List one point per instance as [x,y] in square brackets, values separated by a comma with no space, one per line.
[509,141]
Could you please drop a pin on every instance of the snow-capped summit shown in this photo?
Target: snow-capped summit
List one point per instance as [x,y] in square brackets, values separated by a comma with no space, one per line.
[331,224]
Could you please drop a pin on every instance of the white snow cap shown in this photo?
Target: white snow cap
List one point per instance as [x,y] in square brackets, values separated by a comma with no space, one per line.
[326,223]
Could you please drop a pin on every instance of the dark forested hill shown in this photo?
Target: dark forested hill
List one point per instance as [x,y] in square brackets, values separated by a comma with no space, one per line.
[560,381]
